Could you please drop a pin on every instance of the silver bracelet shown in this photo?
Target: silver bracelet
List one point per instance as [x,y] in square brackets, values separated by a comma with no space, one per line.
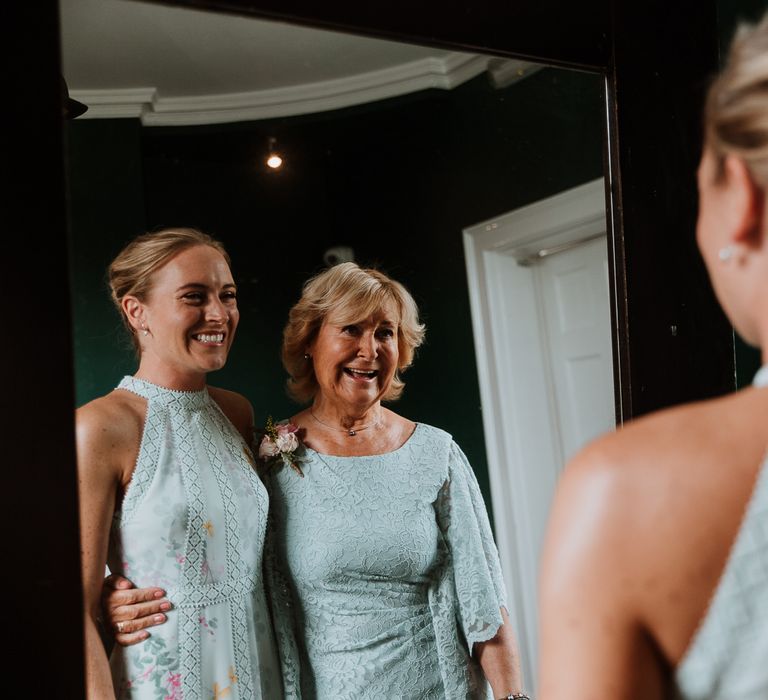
[515,696]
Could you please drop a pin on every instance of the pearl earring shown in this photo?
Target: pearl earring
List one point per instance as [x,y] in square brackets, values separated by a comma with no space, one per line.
[144,330]
[726,253]
[307,356]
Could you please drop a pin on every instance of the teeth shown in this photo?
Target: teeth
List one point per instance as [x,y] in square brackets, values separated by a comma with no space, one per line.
[210,338]
[364,372]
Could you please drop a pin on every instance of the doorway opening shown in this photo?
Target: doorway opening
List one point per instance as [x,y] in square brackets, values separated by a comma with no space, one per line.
[539,294]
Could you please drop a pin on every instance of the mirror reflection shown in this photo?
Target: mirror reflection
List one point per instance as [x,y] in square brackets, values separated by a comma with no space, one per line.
[475,181]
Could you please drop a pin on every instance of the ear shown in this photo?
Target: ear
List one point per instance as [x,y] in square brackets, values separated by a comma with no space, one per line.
[746,203]
[134,311]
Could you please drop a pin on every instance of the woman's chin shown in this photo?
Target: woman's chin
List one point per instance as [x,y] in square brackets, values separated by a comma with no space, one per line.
[362,395]
[214,363]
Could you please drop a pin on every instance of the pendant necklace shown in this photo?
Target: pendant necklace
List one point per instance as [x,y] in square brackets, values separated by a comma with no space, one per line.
[349,431]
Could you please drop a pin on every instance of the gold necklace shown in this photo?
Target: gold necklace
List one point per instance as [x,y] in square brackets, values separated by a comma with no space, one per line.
[349,431]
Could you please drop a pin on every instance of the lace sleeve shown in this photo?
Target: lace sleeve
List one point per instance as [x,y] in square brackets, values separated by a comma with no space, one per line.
[475,565]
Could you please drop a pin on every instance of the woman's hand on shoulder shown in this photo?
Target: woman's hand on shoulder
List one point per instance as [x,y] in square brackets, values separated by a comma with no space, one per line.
[128,612]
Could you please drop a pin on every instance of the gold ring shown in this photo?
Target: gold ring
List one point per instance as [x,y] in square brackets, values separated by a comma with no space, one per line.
[119,626]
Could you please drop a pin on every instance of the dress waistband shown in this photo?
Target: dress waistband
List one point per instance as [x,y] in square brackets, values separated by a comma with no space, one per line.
[213,593]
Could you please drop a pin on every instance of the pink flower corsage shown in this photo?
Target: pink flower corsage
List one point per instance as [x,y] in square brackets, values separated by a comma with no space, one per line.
[279,445]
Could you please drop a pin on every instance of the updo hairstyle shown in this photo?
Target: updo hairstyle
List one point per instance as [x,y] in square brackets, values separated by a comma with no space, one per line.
[736,113]
[131,271]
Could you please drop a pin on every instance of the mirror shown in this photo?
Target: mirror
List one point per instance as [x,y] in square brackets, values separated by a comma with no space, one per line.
[475,180]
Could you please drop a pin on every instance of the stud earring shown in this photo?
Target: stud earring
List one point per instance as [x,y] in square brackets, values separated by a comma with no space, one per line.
[307,356]
[726,253]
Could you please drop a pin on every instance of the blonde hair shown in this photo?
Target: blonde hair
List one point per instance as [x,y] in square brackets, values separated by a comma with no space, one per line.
[130,273]
[352,293]
[736,113]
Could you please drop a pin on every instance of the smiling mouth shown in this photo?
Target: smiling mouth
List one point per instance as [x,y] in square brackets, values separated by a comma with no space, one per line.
[361,373]
[209,338]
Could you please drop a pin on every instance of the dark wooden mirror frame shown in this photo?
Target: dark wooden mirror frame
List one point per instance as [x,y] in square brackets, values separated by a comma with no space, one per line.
[671,342]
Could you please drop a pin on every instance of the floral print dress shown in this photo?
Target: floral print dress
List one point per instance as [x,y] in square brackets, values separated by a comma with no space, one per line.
[193,522]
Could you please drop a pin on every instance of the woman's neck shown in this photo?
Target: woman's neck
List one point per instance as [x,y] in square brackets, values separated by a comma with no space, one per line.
[346,418]
[169,377]
[374,432]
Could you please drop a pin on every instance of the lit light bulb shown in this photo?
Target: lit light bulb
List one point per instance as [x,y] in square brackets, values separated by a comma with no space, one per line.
[274,161]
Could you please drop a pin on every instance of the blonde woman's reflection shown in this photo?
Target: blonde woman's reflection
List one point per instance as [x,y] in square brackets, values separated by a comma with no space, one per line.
[168,495]
[384,576]
[656,565]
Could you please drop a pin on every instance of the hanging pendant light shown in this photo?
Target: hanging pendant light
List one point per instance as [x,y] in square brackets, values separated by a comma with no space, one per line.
[274,158]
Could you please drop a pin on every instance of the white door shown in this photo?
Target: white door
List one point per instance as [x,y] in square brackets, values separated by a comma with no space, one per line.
[544,359]
[573,287]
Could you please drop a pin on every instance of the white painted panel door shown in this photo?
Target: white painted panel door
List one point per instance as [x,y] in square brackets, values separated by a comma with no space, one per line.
[573,288]
[543,347]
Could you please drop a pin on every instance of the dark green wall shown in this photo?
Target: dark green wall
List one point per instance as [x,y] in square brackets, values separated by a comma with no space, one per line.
[397,180]
[106,208]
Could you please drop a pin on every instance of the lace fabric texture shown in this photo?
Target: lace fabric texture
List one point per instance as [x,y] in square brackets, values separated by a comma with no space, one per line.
[727,659]
[383,574]
[193,521]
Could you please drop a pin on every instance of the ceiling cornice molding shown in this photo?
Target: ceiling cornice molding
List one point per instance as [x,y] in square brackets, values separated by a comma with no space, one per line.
[115,104]
[156,110]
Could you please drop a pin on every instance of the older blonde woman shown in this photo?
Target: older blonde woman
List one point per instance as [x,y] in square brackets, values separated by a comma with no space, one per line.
[384,576]
[386,573]
[656,566]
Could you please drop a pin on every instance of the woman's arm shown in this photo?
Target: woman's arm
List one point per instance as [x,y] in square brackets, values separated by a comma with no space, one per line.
[500,660]
[99,475]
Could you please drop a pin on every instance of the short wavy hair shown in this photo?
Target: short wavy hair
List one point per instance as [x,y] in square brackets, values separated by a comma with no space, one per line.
[352,293]
[130,273]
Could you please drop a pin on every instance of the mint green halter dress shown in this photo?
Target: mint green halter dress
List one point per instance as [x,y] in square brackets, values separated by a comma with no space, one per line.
[728,657]
[193,522]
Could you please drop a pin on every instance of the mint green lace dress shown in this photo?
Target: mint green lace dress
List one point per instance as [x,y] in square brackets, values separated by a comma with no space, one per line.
[193,522]
[728,656]
[383,574]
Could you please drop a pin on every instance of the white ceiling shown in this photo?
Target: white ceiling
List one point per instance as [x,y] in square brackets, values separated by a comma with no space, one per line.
[171,65]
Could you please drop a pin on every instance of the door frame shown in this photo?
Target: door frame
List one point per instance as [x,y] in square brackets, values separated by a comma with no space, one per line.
[515,386]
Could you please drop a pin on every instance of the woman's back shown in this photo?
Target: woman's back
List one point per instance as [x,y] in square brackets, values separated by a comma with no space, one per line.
[644,523]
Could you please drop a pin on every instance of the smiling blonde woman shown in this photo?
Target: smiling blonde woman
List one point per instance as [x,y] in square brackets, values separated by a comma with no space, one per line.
[168,493]
[385,576]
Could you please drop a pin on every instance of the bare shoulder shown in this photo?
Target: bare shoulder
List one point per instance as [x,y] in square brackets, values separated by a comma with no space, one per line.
[235,407]
[646,515]
[692,446]
[116,418]
[108,431]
